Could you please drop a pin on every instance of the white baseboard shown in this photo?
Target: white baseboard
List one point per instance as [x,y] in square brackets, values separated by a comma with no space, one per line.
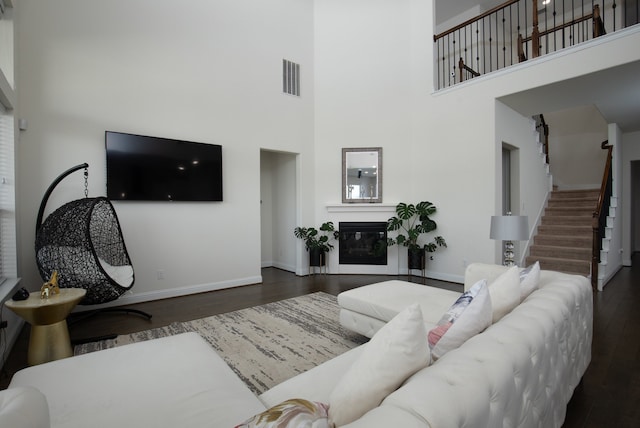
[603,281]
[284,266]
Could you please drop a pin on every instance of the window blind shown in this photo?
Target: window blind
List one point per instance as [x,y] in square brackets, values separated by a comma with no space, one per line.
[8,258]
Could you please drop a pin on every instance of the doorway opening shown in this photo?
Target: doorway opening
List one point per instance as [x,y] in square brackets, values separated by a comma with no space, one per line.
[278,209]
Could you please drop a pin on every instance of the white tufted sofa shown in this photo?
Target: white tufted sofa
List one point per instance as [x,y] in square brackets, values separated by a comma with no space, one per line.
[519,372]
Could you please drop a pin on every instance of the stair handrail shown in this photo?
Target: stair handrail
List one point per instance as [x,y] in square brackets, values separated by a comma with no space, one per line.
[462,67]
[599,218]
[545,130]
[598,26]
[472,20]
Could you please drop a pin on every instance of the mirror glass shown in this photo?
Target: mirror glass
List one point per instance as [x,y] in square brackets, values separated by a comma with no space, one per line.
[362,175]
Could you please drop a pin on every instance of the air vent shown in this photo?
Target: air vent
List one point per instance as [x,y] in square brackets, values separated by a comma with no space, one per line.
[290,78]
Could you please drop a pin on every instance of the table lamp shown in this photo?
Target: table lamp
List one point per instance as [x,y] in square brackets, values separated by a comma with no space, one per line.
[509,228]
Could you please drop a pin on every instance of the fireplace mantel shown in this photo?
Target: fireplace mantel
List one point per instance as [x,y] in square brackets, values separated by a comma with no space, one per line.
[354,208]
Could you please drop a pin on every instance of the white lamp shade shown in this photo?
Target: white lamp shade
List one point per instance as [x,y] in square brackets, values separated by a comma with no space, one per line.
[509,227]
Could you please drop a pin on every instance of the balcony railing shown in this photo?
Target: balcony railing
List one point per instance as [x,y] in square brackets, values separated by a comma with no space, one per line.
[521,29]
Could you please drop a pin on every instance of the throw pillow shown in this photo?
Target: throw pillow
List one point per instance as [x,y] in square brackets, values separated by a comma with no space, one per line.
[529,279]
[395,352]
[505,293]
[468,316]
[292,413]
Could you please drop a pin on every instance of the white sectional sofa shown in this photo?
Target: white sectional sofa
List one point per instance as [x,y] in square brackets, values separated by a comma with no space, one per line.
[521,371]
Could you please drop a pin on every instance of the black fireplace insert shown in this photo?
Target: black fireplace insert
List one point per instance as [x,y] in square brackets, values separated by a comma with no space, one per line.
[357,243]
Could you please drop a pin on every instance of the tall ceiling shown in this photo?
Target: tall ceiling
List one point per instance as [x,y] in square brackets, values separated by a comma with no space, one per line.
[615,92]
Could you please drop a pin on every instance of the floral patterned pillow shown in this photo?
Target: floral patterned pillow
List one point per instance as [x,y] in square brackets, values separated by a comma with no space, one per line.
[468,316]
[294,413]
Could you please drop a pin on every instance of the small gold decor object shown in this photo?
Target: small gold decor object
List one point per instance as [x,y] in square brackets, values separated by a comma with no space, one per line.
[50,287]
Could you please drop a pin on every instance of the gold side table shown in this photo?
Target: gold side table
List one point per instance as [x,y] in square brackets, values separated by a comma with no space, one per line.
[48,318]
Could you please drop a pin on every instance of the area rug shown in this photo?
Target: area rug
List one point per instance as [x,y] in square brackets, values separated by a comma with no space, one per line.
[264,345]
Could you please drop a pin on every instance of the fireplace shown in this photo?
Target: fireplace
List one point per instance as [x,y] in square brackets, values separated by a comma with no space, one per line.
[358,240]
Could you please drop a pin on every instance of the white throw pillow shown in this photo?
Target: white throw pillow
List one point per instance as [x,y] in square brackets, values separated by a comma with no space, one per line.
[395,352]
[468,316]
[505,293]
[529,279]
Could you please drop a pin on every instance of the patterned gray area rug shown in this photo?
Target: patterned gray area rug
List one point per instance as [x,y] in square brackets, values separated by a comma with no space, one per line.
[267,344]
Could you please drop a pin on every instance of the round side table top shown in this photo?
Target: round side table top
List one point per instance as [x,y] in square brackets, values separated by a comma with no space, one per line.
[55,308]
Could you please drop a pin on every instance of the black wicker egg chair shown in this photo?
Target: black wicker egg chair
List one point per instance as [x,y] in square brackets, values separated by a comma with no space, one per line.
[82,241]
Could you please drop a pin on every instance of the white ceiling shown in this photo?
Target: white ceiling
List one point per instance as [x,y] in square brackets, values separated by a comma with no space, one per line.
[614,92]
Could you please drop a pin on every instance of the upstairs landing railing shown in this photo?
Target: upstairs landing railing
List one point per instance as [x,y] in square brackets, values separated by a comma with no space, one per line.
[520,29]
[599,223]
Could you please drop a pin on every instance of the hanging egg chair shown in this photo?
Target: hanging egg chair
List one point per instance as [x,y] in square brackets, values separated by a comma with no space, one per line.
[83,242]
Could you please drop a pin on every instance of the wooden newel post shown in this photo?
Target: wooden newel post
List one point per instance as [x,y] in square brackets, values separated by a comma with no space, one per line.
[521,56]
[535,34]
[598,25]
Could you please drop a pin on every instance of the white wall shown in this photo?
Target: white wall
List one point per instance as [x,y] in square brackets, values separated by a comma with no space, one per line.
[203,71]
[575,135]
[532,182]
[266,207]
[630,193]
[634,214]
[7,60]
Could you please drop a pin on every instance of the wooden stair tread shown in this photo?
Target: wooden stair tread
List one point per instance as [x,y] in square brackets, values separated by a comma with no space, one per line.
[543,240]
[579,267]
[564,238]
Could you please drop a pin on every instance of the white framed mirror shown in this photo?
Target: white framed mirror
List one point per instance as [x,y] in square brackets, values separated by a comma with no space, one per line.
[362,175]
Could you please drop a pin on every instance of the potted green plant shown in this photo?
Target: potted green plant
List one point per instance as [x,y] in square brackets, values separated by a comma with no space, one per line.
[412,221]
[316,241]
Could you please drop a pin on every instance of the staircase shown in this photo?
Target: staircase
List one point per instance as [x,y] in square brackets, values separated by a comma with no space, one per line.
[564,239]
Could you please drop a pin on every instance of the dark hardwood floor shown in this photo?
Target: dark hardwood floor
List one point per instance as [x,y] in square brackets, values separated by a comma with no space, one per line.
[609,395]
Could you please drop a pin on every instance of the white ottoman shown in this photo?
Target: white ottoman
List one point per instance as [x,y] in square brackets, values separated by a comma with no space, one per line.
[175,381]
[366,309]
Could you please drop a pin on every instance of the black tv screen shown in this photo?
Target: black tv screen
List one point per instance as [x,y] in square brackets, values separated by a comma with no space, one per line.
[141,168]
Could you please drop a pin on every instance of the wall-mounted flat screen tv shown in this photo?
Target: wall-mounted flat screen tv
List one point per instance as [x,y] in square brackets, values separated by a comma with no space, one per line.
[141,168]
